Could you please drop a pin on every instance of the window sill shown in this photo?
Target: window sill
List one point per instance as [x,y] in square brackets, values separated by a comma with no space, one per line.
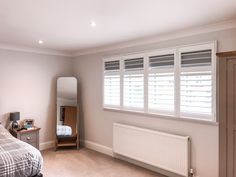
[168,117]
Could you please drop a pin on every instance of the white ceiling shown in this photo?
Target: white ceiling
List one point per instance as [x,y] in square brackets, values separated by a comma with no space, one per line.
[65,24]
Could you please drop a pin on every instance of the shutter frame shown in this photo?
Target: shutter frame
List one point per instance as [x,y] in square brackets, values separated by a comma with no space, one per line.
[161,67]
[146,69]
[201,69]
[133,93]
[111,73]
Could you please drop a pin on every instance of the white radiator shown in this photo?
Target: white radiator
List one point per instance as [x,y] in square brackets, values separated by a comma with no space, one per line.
[166,151]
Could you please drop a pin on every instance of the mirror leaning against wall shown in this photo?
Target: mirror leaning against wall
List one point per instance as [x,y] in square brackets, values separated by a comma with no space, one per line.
[67,113]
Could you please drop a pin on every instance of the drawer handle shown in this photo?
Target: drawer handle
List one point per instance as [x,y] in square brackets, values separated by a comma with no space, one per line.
[28,138]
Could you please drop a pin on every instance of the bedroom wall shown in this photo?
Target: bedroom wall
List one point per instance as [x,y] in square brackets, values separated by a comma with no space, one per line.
[28,85]
[96,123]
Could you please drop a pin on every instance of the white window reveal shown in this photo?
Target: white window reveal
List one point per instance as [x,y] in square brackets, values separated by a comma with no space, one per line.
[133,94]
[161,84]
[112,83]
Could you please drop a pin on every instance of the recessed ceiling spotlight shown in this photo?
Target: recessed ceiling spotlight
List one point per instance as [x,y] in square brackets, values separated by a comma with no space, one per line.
[93,24]
[40,42]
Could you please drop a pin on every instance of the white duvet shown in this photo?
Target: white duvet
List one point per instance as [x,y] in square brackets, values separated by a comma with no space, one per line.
[64,130]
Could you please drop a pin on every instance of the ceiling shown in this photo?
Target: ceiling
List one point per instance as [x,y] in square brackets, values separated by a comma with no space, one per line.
[65,24]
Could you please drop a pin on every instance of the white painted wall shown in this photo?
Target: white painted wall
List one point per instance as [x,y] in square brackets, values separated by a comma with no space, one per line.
[96,123]
[28,85]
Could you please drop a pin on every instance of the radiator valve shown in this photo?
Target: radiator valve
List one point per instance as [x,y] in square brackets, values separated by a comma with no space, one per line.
[191,172]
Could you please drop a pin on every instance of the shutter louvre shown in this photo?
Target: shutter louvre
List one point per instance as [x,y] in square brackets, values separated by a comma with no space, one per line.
[161,61]
[196,58]
[161,83]
[133,90]
[133,83]
[161,92]
[112,65]
[196,86]
[112,83]
[136,63]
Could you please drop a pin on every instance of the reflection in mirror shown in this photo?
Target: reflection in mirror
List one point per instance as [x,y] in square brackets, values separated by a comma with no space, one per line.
[67,111]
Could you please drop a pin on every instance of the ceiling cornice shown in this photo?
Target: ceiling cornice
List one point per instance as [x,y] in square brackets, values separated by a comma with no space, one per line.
[230,24]
[34,50]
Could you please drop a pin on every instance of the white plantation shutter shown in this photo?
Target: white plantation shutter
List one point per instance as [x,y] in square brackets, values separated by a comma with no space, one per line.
[176,82]
[161,84]
[112,83]
[196,84]
[196,92]
[133,93]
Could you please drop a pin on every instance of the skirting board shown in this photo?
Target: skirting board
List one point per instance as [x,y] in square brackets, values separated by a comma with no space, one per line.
[46,145]
[88,144]
[98,147]
[108,151]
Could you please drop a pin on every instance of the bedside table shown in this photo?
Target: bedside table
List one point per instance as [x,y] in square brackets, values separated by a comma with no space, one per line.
[29,136]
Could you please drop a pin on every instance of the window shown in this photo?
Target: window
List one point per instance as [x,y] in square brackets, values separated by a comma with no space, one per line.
[196,84]
[133,94]
[161,83]
[112,83]
[179,82]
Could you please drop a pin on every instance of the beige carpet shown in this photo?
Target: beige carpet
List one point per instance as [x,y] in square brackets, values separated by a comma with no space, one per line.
[87,163]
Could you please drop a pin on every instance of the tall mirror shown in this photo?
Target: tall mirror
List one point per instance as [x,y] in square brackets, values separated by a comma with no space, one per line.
[67,111]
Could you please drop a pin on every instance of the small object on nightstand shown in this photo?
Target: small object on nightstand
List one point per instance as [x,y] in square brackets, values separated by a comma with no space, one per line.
[14,117]
[28,124]
[30,136]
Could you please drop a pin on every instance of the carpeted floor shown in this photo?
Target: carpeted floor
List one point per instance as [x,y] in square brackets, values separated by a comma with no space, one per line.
[87,163]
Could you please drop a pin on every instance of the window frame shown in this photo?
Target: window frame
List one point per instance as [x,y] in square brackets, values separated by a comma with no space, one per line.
[212,45]
[117,58]
[133,56]
[162,52]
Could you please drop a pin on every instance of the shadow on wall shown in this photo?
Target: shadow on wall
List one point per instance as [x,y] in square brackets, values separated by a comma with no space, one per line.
[81,115]
[5,121]
[51,121]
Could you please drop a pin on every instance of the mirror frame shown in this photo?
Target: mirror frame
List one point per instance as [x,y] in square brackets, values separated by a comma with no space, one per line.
[67,139]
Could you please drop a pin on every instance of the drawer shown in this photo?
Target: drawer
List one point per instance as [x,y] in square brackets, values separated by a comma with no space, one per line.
[29,137]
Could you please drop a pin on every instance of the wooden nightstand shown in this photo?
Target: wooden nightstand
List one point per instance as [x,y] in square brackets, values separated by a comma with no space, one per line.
[29,136]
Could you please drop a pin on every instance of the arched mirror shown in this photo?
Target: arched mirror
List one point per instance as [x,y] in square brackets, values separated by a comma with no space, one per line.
[67,111]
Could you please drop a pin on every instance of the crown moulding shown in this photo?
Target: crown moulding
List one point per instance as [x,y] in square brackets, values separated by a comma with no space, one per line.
[225,25]
[36,50]
[230,24]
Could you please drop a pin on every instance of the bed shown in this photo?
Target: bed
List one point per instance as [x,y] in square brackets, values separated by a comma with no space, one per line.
[64,130]
[17,158]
